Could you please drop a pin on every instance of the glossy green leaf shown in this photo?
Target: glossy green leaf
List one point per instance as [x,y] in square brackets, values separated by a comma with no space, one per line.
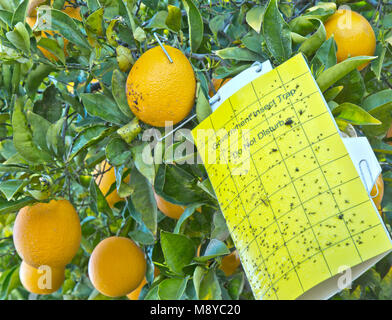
[276,33]
[103,107]
[238,54]
[254,17]
[178,251]
[173,20]
[354,115]
[53,47]
[117,151]
[14,206]
[143,199]
[20,38]
[195,24]
[172,289]
[330,76]
[89,137]
[314,42]
[10,187]
[214,249]
[203,108]
[23,137]
[118,84]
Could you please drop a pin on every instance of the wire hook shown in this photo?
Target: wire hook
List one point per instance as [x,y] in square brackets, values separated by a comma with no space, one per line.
[163,48]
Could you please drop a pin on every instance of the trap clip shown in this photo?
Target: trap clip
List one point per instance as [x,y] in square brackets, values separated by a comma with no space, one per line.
[162,47]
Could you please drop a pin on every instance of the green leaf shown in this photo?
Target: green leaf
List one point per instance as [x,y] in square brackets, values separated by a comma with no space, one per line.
[332,93]
[377,64]
[325,56]
[88,137]
[20,13]
[195,24]
[185,215]
[384,114]
[254,17]
[353,88]
[14,206]
[377,99]
[238,54]
[143,199]
[20,38]
[62,23]
[118,84]
[379,105]
[217,24]
[209,287]
[54,139]
[144,161]
[236,285]
[314,42]
[35,78]
[276,33]
[101,106]
[39,127]
[158,21]
[10,187]
[203,108]
[252,41]
[117,151]
[173,20]
[172,289]
[214,249]
[98,201]
[328,77]
[53,47]
[178,250]
[9,281]
[50,107]
[94,23]
[354,115]
[23,137]
[178,186]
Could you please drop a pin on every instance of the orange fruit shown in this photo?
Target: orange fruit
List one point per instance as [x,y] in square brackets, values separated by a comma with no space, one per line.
[217,83]
[106,180]
[134,295]
[117,266]
[160,91]
[353,34]
[44,280]
[379,185]
[230,263]
[47,233]
[169,209]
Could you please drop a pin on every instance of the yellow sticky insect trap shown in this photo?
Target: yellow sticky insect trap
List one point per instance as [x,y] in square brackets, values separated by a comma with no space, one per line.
[294,202]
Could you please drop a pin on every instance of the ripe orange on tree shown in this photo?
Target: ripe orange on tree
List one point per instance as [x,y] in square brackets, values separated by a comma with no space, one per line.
[106,180]
[160,91]
[44,281]
[47,233]
[379,185]
[230,263]
[117,266]
[217,83]
[134,295]
[353,34]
